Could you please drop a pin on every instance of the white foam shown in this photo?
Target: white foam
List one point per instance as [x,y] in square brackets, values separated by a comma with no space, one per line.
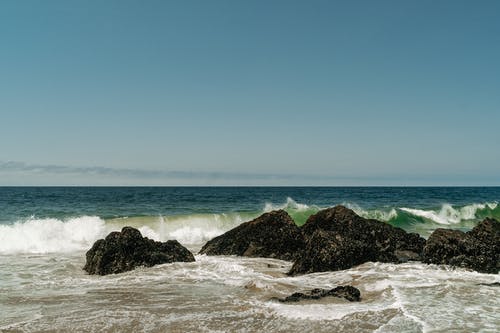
[401,304]
[492,205]
[326,311]
[197,229]
[51,235]
[450,215]
[430,215]
[149,233]
[78,234]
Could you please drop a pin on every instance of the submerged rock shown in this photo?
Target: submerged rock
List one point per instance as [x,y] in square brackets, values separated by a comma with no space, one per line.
[348,292]
[124,251]
[478,249]
[493,284]
[337,239]
[271,235]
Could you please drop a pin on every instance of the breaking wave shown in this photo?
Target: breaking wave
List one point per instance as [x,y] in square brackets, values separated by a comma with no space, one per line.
[52,235]
[447,214]
[39,236]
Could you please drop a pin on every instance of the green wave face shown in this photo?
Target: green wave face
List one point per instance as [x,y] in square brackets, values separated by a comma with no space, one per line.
[422,221]
[425,221]
[453,217]
[300,217]
[198,228]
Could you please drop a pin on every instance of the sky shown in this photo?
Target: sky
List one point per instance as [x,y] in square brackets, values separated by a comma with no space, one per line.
[249,92]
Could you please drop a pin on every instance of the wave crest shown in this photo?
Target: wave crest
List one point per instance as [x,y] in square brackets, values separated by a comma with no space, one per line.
[377,214]
[290,204]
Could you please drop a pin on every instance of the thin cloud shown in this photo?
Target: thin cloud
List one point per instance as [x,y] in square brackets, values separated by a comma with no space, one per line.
[14,166]
[99,174]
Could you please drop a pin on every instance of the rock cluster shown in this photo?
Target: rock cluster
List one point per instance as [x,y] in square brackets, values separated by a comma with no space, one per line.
[333,239]
[337,238]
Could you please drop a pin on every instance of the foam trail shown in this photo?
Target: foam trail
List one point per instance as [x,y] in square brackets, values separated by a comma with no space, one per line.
[51,235]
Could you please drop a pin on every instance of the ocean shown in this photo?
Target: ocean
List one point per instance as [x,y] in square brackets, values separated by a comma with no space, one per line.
[45,232]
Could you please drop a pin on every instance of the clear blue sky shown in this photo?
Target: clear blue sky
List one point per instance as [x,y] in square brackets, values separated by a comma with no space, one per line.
[250,92]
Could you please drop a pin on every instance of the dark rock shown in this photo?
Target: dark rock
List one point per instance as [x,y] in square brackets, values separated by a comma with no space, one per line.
[348,292]
[478,249]
[272,235]
[123,251]
[337,238]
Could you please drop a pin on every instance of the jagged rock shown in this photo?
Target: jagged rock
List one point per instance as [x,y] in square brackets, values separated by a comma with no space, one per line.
[478,249]
[337,238]
[272,235]
[348,292]
[123,251]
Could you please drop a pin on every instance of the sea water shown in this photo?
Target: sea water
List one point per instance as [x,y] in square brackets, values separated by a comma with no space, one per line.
[45,232]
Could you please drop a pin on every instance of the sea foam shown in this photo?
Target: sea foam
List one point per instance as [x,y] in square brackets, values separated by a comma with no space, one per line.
[51,235]
[39,236]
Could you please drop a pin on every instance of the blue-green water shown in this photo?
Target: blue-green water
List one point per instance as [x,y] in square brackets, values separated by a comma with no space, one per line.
[45,231]
[108,202]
